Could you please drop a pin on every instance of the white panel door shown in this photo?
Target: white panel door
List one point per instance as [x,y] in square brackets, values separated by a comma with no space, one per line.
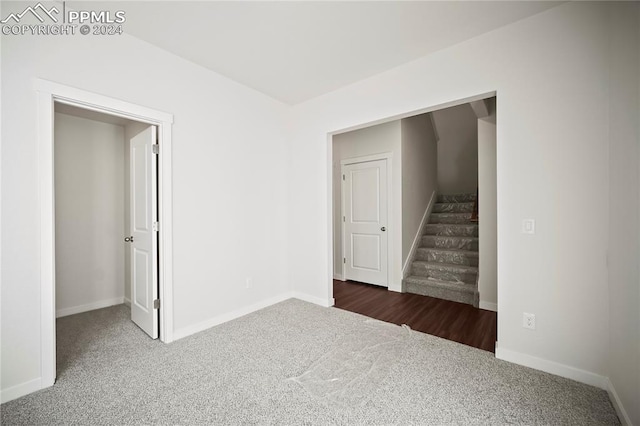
[144,240]
[365,221]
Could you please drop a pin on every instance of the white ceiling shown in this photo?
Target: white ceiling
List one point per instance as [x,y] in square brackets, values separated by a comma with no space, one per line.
[294,51]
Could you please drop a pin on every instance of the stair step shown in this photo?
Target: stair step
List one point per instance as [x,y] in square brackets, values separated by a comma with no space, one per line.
[451,218]
[457,292]
[445,272]
[456,198]
[444,241]
[453,207]
[453,257]
[453,230]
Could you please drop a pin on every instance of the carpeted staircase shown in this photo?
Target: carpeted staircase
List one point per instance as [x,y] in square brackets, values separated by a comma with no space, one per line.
[446,263]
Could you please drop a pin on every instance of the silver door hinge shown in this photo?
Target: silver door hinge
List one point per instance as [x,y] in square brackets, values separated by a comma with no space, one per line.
[344,219]
[156,226]
[156,304]
[344,260]
[343,178]
[156,148]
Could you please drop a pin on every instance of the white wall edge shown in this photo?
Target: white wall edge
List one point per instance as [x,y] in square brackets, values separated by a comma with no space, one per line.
[89,307]
[435,129]
[127,301]
[15,392]
[220,319]
[617,404]
[552,367]
[330,214]
[489,306]
[406,268]
[327,303]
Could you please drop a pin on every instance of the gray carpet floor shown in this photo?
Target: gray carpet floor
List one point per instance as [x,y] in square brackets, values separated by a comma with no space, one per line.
[292,363]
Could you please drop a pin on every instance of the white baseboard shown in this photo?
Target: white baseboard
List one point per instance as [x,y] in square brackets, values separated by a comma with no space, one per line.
[88,307]
[406,268]
[204,325]
[489,306]
[15,392]
[338,277]
[127,301]
[617,404]
[315,300]
[552,367]
[217,320]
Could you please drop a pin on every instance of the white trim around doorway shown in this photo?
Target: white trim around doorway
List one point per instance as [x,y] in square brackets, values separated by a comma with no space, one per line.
[329,169]
[48,93]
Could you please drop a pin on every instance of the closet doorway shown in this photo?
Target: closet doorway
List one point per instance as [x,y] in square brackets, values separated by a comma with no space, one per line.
[106,214]
[152,260]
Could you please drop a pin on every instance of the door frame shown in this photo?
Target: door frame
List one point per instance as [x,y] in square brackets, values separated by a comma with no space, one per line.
[48,93]
[388,156]
[329,235]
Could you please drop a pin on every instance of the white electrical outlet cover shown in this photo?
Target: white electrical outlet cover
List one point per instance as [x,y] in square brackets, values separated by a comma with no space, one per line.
[529,321]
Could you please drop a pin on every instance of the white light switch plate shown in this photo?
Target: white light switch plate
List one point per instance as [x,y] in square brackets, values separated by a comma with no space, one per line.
[528,226]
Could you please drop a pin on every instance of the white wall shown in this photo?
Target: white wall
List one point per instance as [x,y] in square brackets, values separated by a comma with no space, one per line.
[89,207]
[223,132]
[488,214]
[419,175]
[624,209]
[457,150]
[551,73]
[372,140]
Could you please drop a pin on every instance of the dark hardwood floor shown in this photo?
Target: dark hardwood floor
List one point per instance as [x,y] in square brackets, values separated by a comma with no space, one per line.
[450,320]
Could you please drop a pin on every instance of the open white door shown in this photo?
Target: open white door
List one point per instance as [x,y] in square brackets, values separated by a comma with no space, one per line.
[365,221]
[144,238]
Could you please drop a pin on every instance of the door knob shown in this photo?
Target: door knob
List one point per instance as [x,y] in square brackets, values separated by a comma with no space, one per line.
[128,239]
[383,229]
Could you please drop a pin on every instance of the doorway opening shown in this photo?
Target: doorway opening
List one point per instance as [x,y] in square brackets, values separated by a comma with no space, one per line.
[105,192]
[106,245]
[432,241]
[82,188]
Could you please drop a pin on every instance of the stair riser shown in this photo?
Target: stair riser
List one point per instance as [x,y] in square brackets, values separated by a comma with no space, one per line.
[452,230]
[446,257]
[450,243]
[453,208]
[457,198]
[440,293]
[450,218]
[444,275]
